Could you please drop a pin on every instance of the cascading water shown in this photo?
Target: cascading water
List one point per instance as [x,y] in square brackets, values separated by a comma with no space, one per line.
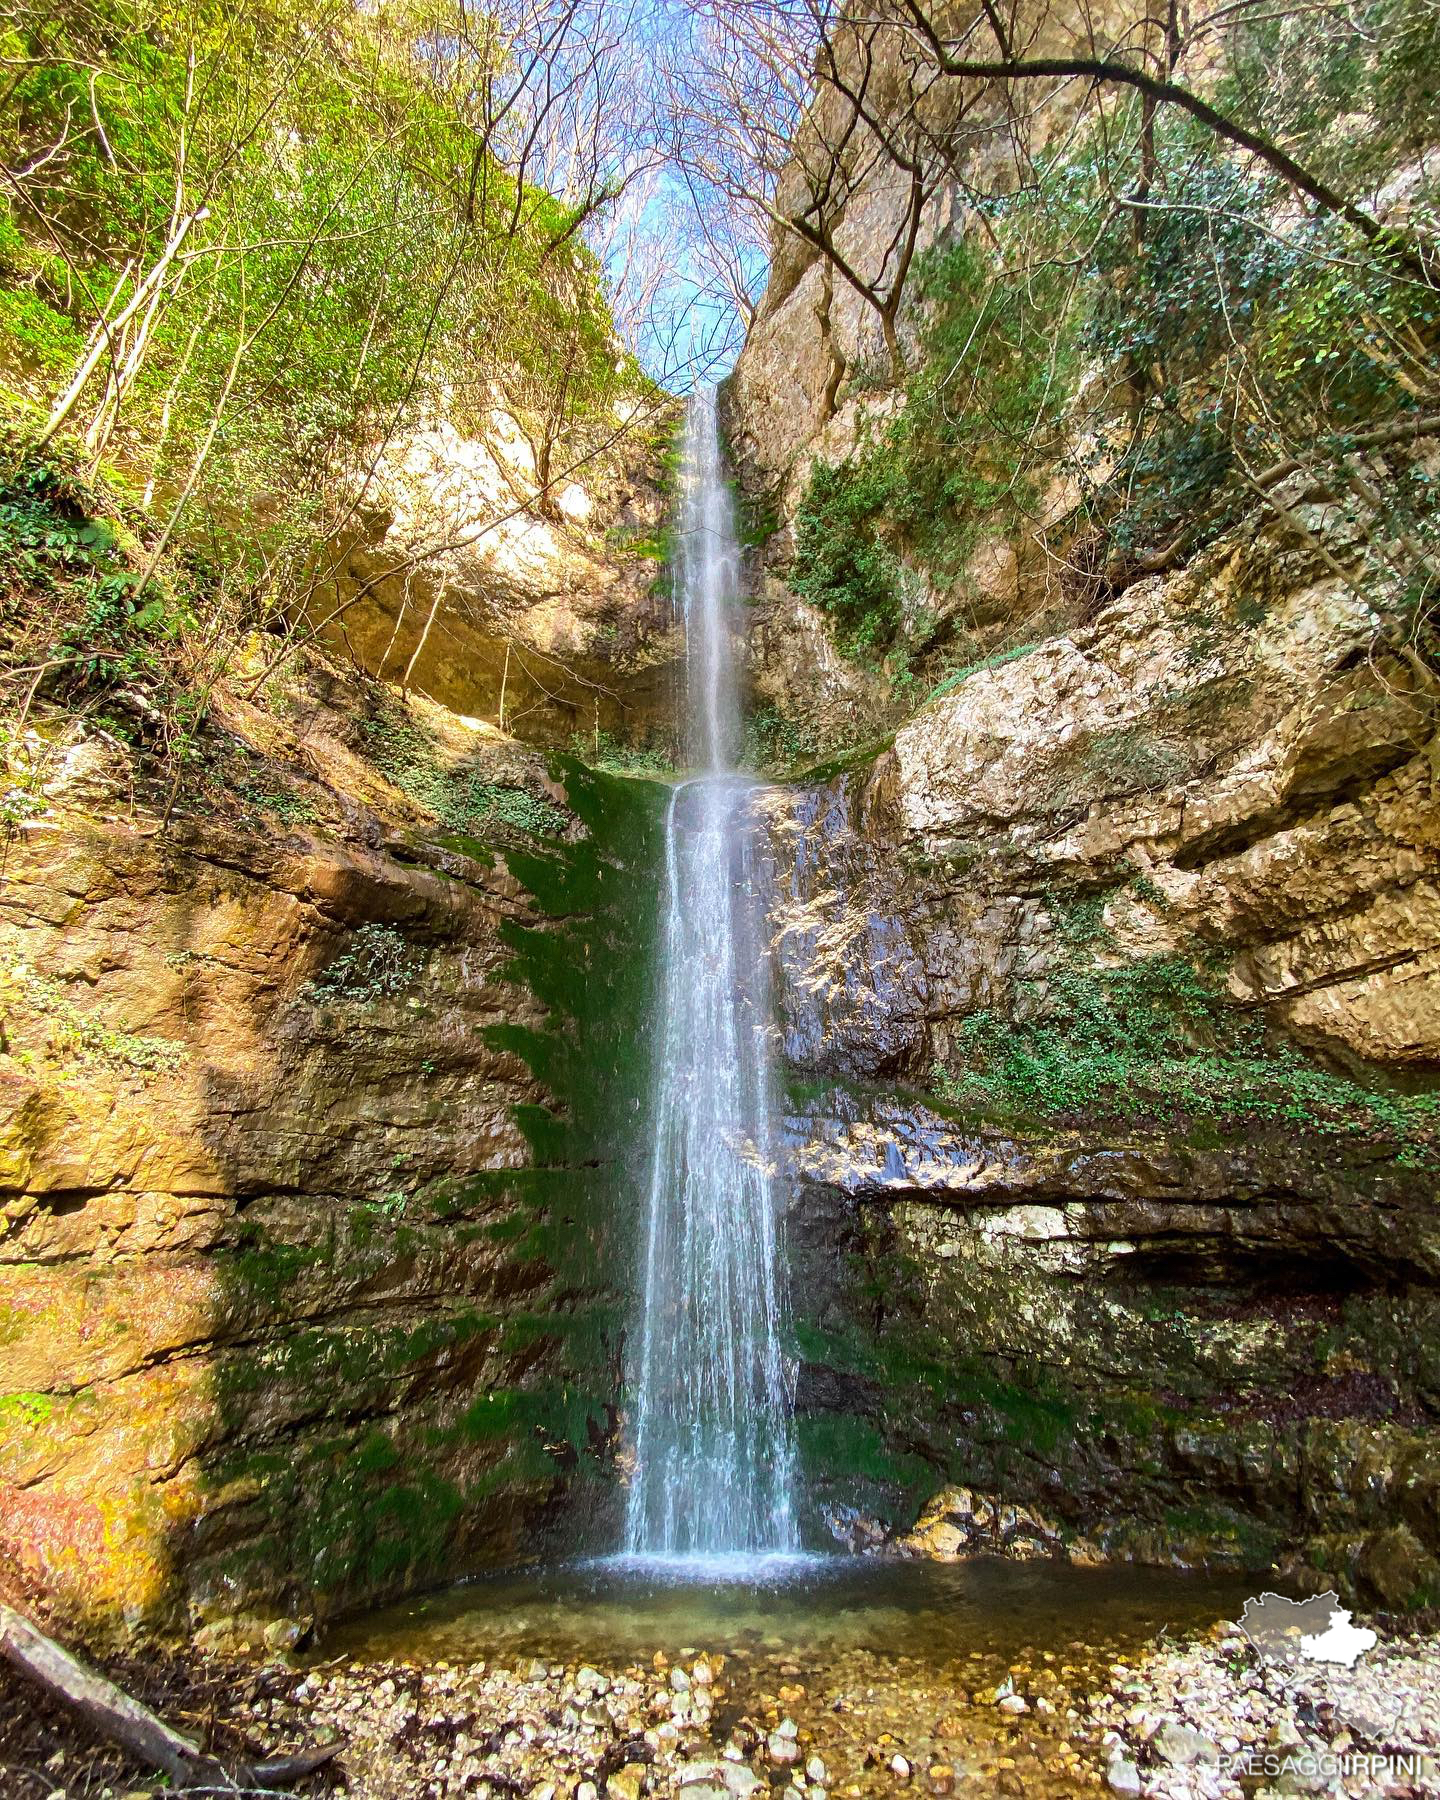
[714,1454]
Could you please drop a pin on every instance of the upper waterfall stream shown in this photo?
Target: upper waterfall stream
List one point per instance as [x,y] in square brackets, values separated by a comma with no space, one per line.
[714,1452]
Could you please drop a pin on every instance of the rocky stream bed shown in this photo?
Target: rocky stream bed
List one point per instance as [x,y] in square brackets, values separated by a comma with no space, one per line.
[1201,1716]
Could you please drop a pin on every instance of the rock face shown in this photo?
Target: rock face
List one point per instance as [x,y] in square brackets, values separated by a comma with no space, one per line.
[1168,1334]
[274,1292]
[555,612]
[1264,789]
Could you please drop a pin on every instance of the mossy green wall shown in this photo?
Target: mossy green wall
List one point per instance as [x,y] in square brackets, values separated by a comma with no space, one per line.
[473,1437]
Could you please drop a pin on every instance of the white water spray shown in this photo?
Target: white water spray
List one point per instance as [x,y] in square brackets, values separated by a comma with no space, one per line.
[712,1435]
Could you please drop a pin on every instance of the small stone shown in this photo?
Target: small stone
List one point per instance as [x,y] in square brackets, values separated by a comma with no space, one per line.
[702,1674]
[627,1783]
[1182,1746]
[783,1750]
[283,1634]
[787,1728]
[587,1790]
[941,1777]
[815,1769]
[1123,1778]
[1014,1704]
[679,1680]
[900,1767]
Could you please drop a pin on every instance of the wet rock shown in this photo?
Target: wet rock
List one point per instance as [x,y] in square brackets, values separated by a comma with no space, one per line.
[1182,1746]
[735,1779]
[1123,1778]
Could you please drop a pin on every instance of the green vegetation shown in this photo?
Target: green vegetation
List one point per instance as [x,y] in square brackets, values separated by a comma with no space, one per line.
[77,1037]
[774,742]
[1214,309]
[378,965]
[462,797]
[242,255]
[1159,1038]
[283,804]
[25,1411]
[958,677]
[910,505]
[1238,350]
[572,1213]
[840,1452]
[603,751]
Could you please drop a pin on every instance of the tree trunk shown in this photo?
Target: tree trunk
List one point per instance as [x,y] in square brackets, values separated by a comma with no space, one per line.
[112,1713]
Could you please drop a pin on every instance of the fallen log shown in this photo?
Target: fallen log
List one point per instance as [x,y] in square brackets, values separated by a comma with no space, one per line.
[112,1713]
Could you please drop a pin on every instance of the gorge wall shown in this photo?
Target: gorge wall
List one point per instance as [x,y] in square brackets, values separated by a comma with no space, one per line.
[1108,986]
[1169,1324]
[308,1099]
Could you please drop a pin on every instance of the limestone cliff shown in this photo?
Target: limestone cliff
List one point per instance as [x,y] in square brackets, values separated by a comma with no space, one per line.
[291,1317]
[457,578]
[1173,1288]
[1109,985]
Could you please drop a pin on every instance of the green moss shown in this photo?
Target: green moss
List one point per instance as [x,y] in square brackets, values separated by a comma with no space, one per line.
[591,966]
[1216,1527]
[378,1507]
[858,756]
[848,1457]
[375,1454]
[927,1385]
[25,1411]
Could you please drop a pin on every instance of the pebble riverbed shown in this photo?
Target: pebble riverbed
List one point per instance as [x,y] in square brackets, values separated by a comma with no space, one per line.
[1200,1716]
[1177,1723]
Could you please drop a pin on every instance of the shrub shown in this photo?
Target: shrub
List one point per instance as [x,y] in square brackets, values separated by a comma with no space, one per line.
[378,965]
[909,505]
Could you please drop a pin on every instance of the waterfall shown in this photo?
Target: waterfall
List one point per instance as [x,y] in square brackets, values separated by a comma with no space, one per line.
[714,1452]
